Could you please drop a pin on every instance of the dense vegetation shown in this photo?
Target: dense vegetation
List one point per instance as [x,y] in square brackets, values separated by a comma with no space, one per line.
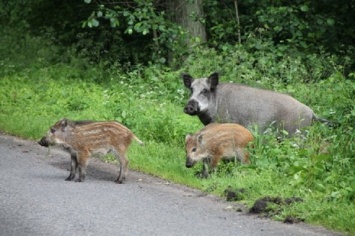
[51,67]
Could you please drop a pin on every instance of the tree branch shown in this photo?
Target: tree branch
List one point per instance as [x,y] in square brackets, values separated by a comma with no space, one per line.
[238,22]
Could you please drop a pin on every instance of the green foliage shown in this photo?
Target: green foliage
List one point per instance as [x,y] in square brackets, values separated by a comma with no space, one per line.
[310,165]
[142,19]
[260,65]
[57,92]
[297,27]
[300,24]
[137,32]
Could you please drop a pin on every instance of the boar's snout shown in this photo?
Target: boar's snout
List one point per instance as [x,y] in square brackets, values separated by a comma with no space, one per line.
[43,142]
[192,108]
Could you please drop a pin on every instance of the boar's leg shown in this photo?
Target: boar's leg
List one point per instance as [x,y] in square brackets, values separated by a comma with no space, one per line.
[82,159]
[73,166]
[123,167]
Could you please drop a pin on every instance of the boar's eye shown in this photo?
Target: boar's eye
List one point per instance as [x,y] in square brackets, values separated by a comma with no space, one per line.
[193,149]
[205,91]
[52,130]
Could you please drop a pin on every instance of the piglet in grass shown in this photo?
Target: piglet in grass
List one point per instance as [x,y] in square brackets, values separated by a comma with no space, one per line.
[215,142]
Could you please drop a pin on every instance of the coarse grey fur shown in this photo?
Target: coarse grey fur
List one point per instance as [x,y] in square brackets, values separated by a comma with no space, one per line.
[218,102]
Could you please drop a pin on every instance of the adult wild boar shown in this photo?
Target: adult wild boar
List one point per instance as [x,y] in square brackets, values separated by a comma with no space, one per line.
[218,102]
[215,142]
[83,138]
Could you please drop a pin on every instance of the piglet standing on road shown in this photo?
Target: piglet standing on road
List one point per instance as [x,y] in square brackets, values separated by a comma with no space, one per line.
[215,142]
[83,138]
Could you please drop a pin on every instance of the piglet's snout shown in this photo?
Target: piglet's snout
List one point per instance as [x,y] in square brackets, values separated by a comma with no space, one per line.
[189,163]
[43,142]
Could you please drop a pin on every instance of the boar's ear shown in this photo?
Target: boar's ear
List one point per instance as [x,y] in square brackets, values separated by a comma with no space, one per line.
[213,80]
[187,80]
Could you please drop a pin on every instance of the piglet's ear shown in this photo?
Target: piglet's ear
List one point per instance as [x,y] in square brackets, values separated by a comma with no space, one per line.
[187,80]
[63,124]
[213,80]
[187,137]
[200,139]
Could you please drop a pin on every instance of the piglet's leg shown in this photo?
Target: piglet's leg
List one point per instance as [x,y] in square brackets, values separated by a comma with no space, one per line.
[244,156]
[82,158]
[206,163]
[123,160]
[214,163]
[73,166]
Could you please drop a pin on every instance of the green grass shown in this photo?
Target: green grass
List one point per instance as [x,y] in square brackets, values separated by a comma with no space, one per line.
[319,169]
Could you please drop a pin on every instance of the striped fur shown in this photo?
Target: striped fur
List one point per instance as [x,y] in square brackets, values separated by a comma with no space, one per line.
[215,142]
[83,138]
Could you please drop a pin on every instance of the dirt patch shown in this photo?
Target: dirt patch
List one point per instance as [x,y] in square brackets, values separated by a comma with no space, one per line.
[265,205]
[234,195]
[291,200]
[292,220]
[271,206]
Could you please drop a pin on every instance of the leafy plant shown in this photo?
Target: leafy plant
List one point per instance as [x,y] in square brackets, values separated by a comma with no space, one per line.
[146,20]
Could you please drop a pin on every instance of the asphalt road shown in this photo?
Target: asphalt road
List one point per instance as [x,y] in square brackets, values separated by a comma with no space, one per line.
[35,200]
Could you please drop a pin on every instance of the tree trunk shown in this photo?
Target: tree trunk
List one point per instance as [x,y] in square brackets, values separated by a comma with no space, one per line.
[189,14]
